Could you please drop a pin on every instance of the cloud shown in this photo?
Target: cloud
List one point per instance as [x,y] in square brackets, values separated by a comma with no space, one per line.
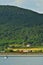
[39,5]
[39,2]
[19,2]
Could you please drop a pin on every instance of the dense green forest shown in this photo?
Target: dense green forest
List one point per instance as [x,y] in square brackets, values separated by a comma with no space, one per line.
[18,25]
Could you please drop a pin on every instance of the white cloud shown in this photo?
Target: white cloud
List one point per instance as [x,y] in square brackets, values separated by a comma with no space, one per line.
[39,2]
[39,5]
[19,2]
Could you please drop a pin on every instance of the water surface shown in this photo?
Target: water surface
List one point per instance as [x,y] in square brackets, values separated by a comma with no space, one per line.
[21,60]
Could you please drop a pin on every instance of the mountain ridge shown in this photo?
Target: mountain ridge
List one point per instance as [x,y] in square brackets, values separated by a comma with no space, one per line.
[11,12]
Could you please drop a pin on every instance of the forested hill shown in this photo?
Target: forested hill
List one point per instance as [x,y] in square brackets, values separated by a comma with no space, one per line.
[16,15]
[18,25]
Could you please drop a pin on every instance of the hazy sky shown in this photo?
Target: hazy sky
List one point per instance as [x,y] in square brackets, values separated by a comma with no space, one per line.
[36,5]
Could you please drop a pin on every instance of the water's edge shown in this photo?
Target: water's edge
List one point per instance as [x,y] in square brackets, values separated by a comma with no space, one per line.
[23,55]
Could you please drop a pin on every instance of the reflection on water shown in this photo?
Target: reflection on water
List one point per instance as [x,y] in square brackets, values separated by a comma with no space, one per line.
[21,61]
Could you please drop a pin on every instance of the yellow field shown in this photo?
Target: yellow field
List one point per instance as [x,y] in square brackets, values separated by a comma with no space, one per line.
[26,49]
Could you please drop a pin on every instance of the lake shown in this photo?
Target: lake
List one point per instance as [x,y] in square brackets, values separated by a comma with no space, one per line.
[29,60]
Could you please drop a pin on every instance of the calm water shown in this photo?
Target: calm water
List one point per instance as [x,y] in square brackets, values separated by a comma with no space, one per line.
[21,61]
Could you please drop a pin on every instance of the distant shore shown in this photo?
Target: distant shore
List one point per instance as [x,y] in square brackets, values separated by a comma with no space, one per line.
[20,55]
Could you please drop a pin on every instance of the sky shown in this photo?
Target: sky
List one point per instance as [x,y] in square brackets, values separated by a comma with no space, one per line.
[35,5]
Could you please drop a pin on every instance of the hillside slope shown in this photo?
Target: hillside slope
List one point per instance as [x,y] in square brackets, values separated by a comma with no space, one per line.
[18,25]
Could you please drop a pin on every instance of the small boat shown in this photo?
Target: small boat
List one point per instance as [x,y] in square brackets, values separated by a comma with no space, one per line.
[5,57]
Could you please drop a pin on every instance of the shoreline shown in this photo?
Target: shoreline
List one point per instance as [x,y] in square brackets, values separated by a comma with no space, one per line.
[21,55]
